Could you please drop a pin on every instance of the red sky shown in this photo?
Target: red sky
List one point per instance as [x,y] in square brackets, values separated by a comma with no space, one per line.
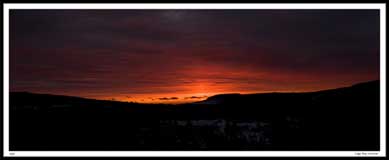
[174,56]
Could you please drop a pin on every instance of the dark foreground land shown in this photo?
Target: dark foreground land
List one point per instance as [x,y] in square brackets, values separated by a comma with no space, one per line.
[338,119]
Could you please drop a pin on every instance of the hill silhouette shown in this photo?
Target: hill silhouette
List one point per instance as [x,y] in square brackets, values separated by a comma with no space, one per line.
[337,119]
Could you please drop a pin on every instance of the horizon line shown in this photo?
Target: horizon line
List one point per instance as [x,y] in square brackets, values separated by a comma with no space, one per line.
[173,103]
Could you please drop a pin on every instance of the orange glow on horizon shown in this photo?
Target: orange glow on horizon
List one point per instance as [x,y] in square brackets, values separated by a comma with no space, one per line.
[200,92]
[201,89]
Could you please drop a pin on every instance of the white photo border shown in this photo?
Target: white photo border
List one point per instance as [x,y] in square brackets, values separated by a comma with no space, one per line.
[379,6]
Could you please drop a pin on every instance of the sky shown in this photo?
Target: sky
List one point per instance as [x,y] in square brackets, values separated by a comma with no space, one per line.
[178,56]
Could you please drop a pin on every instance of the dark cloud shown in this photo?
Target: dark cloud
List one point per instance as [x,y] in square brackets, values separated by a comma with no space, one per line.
[168,98]
[195,97]
[175,51]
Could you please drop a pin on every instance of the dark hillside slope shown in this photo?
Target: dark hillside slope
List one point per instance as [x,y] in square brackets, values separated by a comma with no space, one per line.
[338,119]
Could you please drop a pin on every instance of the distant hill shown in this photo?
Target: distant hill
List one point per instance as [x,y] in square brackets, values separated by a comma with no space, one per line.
[336,119]
[236,97]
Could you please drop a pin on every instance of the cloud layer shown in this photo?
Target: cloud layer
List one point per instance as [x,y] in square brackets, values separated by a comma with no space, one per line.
[110,53]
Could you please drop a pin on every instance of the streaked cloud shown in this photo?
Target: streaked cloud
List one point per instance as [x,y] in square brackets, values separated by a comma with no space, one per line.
[112,53]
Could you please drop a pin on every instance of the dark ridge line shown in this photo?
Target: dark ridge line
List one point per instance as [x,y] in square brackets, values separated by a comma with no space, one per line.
[210,97]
